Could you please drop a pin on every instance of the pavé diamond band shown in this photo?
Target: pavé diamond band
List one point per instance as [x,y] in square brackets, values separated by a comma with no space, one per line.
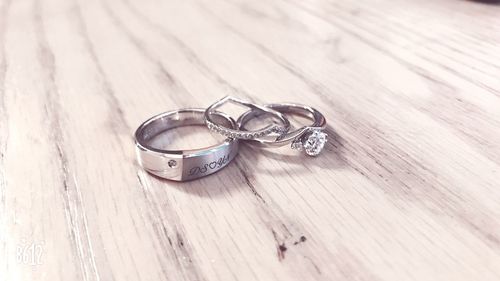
[310,138]
[274,128]
[183,165]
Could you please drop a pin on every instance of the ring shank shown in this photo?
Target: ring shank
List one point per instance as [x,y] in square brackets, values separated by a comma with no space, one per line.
[319,122]
[168,122]
[181,165]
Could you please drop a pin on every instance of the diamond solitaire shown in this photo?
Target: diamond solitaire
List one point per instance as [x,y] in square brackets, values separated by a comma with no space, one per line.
[312,143]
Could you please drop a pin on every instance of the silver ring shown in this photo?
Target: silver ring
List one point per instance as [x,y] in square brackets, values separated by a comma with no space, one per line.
[280,129]
[310,138]
[182,165]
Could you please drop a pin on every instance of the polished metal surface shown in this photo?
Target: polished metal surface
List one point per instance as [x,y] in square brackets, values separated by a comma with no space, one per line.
[273,128]
[183,165]
[319,123]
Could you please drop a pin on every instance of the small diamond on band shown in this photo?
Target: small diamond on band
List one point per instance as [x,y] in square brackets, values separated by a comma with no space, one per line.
[172,163]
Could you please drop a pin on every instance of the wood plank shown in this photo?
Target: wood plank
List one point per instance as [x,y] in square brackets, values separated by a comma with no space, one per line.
[406,189]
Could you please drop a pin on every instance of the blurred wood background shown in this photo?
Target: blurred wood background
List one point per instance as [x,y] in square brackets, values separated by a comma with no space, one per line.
[408,187]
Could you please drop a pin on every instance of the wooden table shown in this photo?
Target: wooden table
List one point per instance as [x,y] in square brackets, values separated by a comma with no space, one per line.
[408,187]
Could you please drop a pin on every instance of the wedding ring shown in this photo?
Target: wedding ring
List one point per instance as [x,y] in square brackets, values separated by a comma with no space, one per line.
[279,129]
[310,138]
[183,165]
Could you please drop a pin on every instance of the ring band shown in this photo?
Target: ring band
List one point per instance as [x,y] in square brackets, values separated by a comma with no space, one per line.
[310,138]
[182,165]
[238,134]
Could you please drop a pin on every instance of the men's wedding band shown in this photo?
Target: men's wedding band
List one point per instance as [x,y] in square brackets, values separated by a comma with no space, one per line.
[183,165]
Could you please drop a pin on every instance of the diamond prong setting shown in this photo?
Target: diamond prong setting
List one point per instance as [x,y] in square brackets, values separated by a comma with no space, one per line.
[312,143]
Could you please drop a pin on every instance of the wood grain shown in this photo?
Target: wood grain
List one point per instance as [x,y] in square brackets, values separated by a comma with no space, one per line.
[407,189]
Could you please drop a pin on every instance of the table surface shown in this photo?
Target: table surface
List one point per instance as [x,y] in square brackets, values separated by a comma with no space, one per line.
[408,187]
